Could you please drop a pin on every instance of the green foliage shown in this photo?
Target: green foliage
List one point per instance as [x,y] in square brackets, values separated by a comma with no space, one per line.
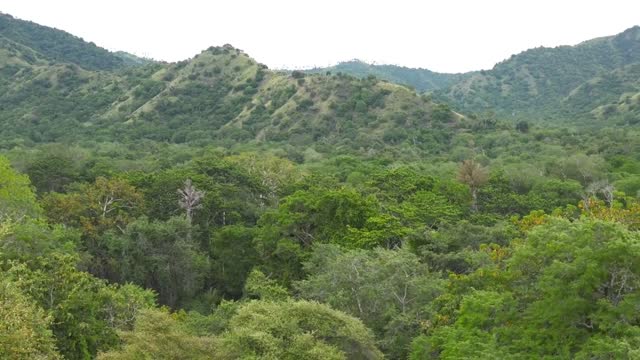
[16,196]
[565,80]
[233,256]
[85,311]
[30,239]
[569,292]
[160,256]
[387,289]
[454,247]
[261,287]
[295,330]
[52,172]
[24,333]
[58,45]
[160,335]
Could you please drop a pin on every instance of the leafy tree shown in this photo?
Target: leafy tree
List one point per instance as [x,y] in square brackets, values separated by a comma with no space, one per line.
[16,196]
[387,289]
[275,174]
[52,172]
[455,247]
[33,238]
[233,255]
[158,334]
[24,332]
[567,291]
[522,126]
[317,215]
[261,287]
[161,256]
[295,330]
[106,205]
[85,311]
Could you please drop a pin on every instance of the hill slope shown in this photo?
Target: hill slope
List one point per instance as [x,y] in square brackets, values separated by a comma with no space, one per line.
[59,46]
[561,82]
[220,96]
[539,80]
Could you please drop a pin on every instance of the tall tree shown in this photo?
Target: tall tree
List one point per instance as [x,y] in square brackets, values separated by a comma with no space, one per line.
[190,199]
[473,175]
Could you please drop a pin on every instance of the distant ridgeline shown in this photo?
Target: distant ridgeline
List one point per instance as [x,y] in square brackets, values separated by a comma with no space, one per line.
[420,79]
[597,79]
[56,87]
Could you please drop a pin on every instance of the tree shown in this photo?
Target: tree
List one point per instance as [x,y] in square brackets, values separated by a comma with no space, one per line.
[159,255]
[387,289]
[522,126]
[32,238]
[17,199]
[317,215]
[158,334]
[604,188]
[86,312]
[52,172]
[106,205]
[258,286]
[295,330]
[275,174]
[569,290]
[190,199]
[233,255]
[473,175]
[24,330]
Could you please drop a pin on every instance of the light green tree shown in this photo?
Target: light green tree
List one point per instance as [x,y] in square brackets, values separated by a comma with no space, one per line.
[17,198]
[24,327]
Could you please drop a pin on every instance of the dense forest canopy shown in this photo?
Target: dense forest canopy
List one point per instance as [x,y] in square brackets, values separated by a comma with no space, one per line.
[212,208]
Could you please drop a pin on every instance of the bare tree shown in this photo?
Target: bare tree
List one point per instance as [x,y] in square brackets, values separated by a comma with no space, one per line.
[190,199]
[603,187]
[473,175]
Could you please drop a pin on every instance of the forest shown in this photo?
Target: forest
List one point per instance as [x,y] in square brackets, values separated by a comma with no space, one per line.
[216,209]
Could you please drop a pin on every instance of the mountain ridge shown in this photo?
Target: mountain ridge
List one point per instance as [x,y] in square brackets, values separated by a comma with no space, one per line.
[219,96]
[225,96]
[532,84]
[421,79]
[59,45]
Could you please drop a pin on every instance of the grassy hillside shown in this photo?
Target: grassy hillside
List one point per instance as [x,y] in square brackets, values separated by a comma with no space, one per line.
[220,96]
[223,97]
[592,80]
[613,95]
[535,83]
[420,79]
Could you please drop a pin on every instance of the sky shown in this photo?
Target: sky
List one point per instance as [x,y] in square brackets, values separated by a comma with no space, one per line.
[444,36]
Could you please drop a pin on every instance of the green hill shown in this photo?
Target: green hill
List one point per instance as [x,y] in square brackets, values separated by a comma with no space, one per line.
[420,79]
[54,89]
[220,96]
[594,79]
[535,83]
[59,46]
[612,95]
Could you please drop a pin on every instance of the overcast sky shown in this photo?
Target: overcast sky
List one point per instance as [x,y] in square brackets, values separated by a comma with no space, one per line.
[445,36]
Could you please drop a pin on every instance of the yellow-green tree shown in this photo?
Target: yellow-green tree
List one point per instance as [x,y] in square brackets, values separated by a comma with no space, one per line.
[24,327]
[17,198]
